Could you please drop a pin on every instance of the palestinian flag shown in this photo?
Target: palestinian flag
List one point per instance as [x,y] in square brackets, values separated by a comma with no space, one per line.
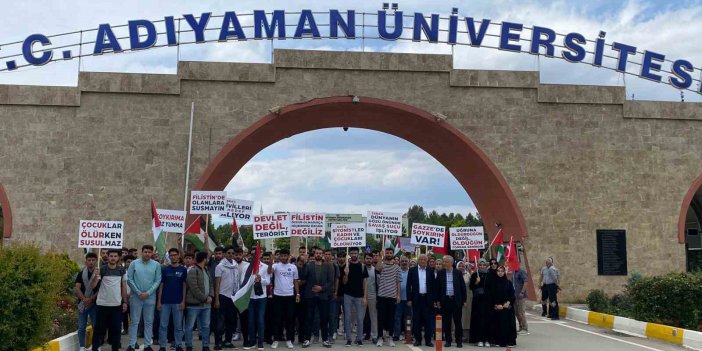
[393,242]
[497,249]
[512,256]
[197,235]
[237,240]
[441,251]
[243,295]
[159,235]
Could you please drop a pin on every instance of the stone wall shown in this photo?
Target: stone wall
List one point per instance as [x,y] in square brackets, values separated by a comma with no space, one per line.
[578,158]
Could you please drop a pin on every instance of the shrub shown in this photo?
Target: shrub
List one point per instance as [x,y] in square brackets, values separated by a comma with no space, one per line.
[673,299]
[30,286]
[597,301]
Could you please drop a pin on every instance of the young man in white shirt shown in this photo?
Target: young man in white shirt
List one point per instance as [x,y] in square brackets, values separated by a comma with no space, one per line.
[286,294]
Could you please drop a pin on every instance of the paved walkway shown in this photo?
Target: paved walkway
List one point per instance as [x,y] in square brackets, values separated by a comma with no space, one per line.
[545,335]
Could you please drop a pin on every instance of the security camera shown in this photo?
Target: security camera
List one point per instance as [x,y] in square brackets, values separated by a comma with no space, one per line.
[355,99]
[346,129]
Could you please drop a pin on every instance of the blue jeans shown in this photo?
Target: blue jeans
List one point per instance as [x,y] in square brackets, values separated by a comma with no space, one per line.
[136,307]
[166,311]
[83,322]
[402,311]
[202,314]
[257,314]
[351,303]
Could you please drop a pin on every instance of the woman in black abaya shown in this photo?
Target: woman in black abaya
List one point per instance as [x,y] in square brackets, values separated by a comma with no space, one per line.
[503,324]
[480,307]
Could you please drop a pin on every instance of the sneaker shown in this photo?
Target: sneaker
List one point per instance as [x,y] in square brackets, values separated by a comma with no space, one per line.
[326,344]
[260,347]
[81,349]
[228,345]
[487,344]
[391,343]
[274,345]
[480,344]
[429,344]
[395,338]
[236,337]
[334,336]
[248,347]
[162,348]
[340,332]
[374,340]
[348,343]
[417,343]
[306,344]
[205,348]
[359,343]
[459,345]
[380,342]
[523,332]
[289,344]
[218,348]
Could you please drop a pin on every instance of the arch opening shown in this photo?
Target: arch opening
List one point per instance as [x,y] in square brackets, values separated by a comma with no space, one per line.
[690,226]
[5,215]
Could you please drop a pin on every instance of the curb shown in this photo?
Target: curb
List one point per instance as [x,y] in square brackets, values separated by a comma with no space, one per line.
[68,342]
[688,338]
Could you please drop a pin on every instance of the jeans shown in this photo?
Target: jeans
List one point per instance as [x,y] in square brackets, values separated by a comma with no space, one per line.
[83,322]
[257,313]
[402,311]
[350,303]
[166,311]
[139,307]
[202,315]
[316,304]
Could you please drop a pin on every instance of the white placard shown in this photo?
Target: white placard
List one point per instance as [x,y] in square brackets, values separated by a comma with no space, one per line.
[428,234]
[348,235]
[464,238]
[271,226]
[306,224]
[384,223]
[101,234]
[172,221]
[242,209]
[208,202]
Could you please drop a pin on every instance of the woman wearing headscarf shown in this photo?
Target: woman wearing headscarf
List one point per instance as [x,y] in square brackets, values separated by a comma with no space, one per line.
[463,268]
[480,306]
[503,322]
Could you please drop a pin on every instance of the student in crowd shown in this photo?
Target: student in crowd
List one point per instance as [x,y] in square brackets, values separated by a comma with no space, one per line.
[240,274]
[354,281]
[268,328]
[257,305]
[110,281]
[198,300]
[286,294]
[171,300]
[86,296]
[388,280]
[403,309]
[144,279]
[371,320]
[318,278]
[226,285]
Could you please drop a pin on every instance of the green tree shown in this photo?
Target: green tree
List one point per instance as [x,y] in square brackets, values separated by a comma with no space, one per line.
[415,214]
[282,243]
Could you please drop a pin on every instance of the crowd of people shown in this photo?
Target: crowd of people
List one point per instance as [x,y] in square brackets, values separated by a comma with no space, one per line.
[308,296]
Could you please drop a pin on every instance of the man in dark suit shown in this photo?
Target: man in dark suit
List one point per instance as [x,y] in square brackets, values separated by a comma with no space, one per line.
[450,296]
[420,296]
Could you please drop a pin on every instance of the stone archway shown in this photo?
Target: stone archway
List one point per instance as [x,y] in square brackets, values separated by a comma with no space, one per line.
[474,171]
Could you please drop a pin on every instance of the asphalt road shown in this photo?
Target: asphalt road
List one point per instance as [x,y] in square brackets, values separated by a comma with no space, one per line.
[545,334]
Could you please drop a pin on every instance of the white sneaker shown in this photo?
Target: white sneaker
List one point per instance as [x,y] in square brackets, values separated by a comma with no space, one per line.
[480,344]
[289,344]
[487,344]
[306,344]
[334,336]
[81,349]
[274,345]
[380,342]
[391,343]
[523,332]
[340,332]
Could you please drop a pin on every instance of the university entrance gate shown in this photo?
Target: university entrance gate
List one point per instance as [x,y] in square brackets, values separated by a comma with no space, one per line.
[554,165]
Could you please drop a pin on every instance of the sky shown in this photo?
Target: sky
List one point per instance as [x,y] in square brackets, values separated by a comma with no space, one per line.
[384,168]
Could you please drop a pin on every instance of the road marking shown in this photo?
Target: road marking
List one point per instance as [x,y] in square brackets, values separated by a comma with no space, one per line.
[608,337]
[413,348]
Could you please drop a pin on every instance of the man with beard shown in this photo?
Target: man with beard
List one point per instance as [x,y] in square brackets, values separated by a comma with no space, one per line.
[225,287]
[353,279]
[110,281]
[286,294]
[371,320]
[318,278]
[267,258]
[389,280]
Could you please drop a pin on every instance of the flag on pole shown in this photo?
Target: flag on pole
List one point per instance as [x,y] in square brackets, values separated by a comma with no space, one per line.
[159,235]
[243,295]
[512,256]
[393,243]
[496,249]
[473,255]
[442,250]
[196,234]
[237,240]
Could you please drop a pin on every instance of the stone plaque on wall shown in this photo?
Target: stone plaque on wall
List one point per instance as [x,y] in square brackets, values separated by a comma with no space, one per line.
[611,252]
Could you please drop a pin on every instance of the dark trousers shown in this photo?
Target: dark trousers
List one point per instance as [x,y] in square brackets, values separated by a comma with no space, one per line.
[451,309]
[386,315]
[285,311]
[244,320]
[423,319]
[550,292]
[225,325]
[268,321]
[315,304]
[108,318]
[301,319]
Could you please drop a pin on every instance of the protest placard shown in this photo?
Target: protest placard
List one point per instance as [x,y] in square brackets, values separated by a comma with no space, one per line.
[306,224]
[271,226]
[406,244]
[384,223]
[100,234]
[241,209]
[208,202]
[172,221]
[464,238]
[428,234]
[348,235]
